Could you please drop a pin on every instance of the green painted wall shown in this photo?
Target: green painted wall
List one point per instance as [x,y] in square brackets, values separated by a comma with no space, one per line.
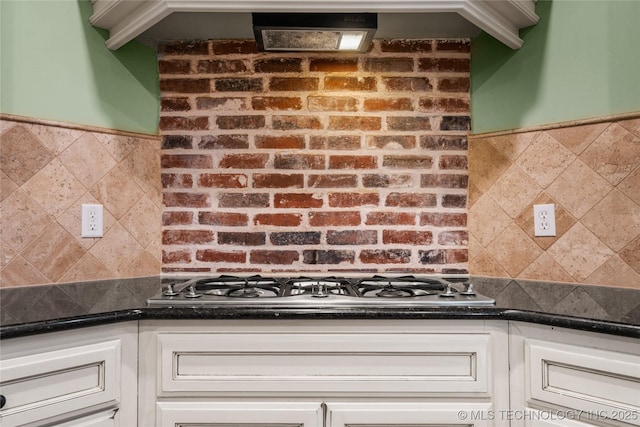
[54,65]
[581,60]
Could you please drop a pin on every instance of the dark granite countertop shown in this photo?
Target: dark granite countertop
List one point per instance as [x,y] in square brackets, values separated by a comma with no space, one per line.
[124,300]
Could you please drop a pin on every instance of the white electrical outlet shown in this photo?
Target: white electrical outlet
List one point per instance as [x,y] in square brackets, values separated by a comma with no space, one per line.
[544,220]
[92,220]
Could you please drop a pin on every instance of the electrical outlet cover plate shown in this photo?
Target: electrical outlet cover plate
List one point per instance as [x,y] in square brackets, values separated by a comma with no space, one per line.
[91,220]
[544,220]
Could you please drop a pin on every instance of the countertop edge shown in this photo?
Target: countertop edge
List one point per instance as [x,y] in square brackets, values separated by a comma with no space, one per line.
[485,313]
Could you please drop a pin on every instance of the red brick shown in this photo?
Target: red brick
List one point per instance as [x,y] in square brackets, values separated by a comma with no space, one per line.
[353,162]
[444,181]
[453,238]
[332,181]
[222,180]
[176,257]
[444,142]
[292,84]
[332,103]
[239,84]
[174,66]
[456,65]
[337,142]
[217,66]
[337,218]
[190,161]
[390,218]
[244,161]
[276,103]
[278,65]
[231,47]
[454,201]
[333,65]
[388,104]
[408,123]
[175,104]
[385,65]
[355,123]
[177,141]
[407,237]
[387,180]
[437,219]
[186,200]
[331,257]
[389,256]
[221,103]
[192,47]
[241,200]
[444,256]
[454,46]
[411,84]
[177,218]
[391,141]
[186,270]
[184,123]
[227,219]
[176,180]
[185,85]
[186,237]
[458,162]
[408,162]
[279,220]
[240,122]
[352,237]
[242,238]
[299,161]
[411,200]
[455,123]
[223,141]
[408,46]
[444,105]
[296,122]
[350,83]
[454,84]
[274,257]
[348,200]
[212,255]
[274,180]
[279,142]
[297,200]
[295,238]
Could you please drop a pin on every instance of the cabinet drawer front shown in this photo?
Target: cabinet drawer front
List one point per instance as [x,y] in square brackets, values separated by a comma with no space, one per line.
[312,362]
[604,384]
[57,382]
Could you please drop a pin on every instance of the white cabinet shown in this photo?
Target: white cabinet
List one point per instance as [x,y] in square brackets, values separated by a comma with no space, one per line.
[83,377]
[355,372]
[568,377]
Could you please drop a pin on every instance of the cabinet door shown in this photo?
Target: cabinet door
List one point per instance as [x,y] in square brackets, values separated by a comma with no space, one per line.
[239,414]
[414,414]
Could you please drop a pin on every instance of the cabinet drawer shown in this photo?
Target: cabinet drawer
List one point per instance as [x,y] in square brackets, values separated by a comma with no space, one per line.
[601,383]
[324,363]
[48,384]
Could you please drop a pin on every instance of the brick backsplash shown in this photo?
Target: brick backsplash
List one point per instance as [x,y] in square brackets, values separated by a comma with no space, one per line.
[314,161]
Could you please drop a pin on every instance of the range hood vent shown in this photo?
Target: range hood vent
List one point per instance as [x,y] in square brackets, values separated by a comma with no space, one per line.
[319,32]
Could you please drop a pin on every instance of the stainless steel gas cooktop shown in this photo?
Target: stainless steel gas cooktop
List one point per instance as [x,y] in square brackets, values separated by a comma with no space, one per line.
[311,292]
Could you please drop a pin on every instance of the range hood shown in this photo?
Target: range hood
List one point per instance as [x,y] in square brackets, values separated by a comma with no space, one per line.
[152,21]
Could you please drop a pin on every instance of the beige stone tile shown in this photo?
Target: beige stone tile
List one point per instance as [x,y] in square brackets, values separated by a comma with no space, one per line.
[87,159]
[7,186]
[145,265]
[485,265]
[486,220]
[545,159]
[87,268]
[474,194]
[22,219]
[22,155]
[614,154]
[514,191]
[546,269]
[117,191]
[118,145]
[564,221]
[632,126]
[19,273]
[116,250]
[514,250]
[631,186]
[580,252]
[631,254]
[615,220]
[54,188]
[577,138]
[513,145]
[143,221]
[7,253]
[143,164]
[579,188]
[71,220]
[615,272]
[5,125]
[53,252]
[55,138]
[486,164]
